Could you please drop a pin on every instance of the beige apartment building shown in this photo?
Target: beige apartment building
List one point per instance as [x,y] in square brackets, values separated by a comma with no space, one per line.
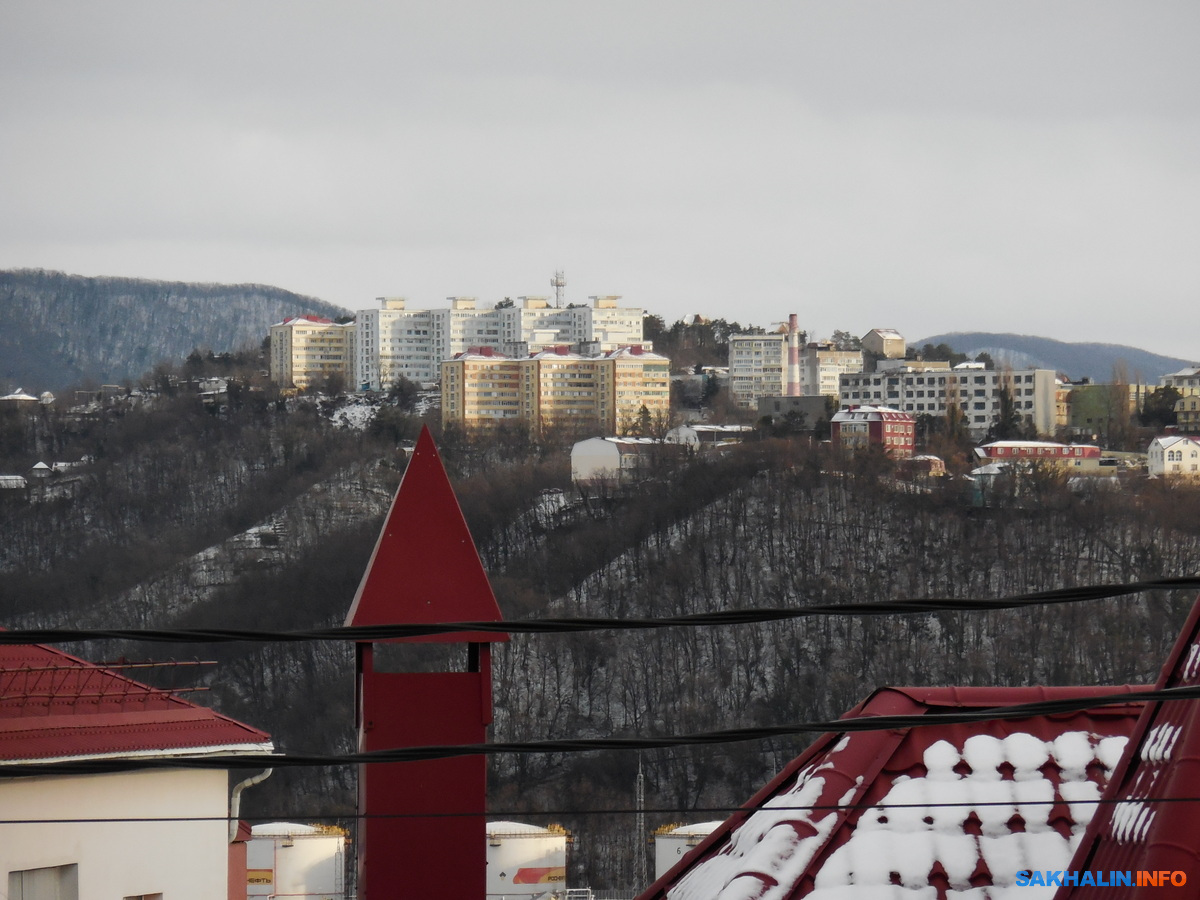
[555,388]
[306,348]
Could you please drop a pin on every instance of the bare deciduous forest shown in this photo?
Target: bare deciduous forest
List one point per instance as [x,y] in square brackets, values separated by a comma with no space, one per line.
[263,513]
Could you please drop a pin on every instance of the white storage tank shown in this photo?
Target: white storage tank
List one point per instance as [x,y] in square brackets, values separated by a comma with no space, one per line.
[304,861]
[525,862]
[672,843]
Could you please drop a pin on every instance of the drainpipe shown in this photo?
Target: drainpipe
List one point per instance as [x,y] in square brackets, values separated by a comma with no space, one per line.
[235,800]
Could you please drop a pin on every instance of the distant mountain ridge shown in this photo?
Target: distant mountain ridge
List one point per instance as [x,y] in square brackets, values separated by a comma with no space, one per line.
[1076,361]
[57,330]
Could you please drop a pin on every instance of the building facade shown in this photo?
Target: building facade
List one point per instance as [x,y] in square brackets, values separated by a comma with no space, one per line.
[821,367]
[145,832]
[862,427]
[975,391]
[396,341]
[885,342]
[307,348]
[757,366]
[556,388]
[1175,456]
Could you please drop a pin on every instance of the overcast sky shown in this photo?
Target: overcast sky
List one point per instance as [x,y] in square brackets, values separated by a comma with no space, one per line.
[929,166]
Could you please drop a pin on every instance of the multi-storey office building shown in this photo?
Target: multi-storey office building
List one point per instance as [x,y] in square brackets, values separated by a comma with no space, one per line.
[305,348]
[975,391]
[397,341]
[555,388]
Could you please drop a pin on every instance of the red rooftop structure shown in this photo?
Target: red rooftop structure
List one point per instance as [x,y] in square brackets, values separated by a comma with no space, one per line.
[941,811]
[54,706]
[423,823]
[1149,820]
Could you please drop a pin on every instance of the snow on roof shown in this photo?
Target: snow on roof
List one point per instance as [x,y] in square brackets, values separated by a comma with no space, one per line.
[1170,440]
[506,827]
[890,333]
[932,813]
[13,482]
[306,320]
[290,829]
[871,412]
[697,828]
[1055,444]
[634,353]
[1162,761]
[19,396]
[55,706]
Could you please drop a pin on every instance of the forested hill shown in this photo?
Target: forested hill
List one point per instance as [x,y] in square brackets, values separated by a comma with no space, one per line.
[1095,361]
[262,514]
[57,330]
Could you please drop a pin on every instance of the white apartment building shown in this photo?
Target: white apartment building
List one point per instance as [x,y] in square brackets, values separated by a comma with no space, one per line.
[758,367]
[975,390]
[395,341]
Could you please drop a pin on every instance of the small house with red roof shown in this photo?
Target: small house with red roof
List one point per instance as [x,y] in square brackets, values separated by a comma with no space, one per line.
[160,832]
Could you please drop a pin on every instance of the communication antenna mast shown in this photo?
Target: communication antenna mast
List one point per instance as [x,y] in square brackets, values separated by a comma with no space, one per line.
[558,282]
[640,827]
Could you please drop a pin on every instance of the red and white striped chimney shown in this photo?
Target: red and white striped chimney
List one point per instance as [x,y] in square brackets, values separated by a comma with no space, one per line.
[793,382]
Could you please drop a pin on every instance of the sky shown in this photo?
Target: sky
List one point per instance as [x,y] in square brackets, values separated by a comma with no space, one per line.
[925,165]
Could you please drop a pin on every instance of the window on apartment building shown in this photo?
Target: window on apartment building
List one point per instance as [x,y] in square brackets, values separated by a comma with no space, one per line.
[50,883]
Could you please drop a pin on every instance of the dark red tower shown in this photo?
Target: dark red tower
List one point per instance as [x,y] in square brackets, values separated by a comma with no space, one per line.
[423,828]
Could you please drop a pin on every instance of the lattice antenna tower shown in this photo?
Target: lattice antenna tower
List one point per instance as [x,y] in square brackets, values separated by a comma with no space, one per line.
[558,282]
[640,826]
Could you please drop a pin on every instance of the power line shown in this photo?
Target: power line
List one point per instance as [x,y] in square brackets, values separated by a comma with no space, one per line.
[575,625]
[622,811]
[586,745]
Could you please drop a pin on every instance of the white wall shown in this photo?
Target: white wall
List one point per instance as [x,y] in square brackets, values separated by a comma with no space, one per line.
[181,860]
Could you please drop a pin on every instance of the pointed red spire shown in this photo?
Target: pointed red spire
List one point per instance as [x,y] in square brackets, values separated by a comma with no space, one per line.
[425,567]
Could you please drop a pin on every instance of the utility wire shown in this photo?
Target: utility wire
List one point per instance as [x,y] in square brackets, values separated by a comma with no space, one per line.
[657,811]
[574,625]
[585,745]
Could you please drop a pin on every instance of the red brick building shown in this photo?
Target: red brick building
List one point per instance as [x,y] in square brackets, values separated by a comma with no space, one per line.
[860,427]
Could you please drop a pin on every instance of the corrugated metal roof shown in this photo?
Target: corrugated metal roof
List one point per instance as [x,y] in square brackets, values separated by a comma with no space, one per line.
[1163,761]
[933,812]
[54,705]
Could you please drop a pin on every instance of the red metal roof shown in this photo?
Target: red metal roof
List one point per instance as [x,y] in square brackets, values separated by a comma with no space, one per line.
[1162,761]
[940,810]
[425,568]
[56,705]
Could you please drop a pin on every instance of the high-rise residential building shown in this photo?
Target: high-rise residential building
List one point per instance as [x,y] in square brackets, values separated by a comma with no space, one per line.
[758,365]
[821,366]
[974,390]
[640,381]
[554,388]
[395,341]
[784,364]
[306,348]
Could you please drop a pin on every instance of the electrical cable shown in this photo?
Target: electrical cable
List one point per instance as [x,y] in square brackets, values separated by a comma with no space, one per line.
[657,811]
[585,745]
[575,625]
